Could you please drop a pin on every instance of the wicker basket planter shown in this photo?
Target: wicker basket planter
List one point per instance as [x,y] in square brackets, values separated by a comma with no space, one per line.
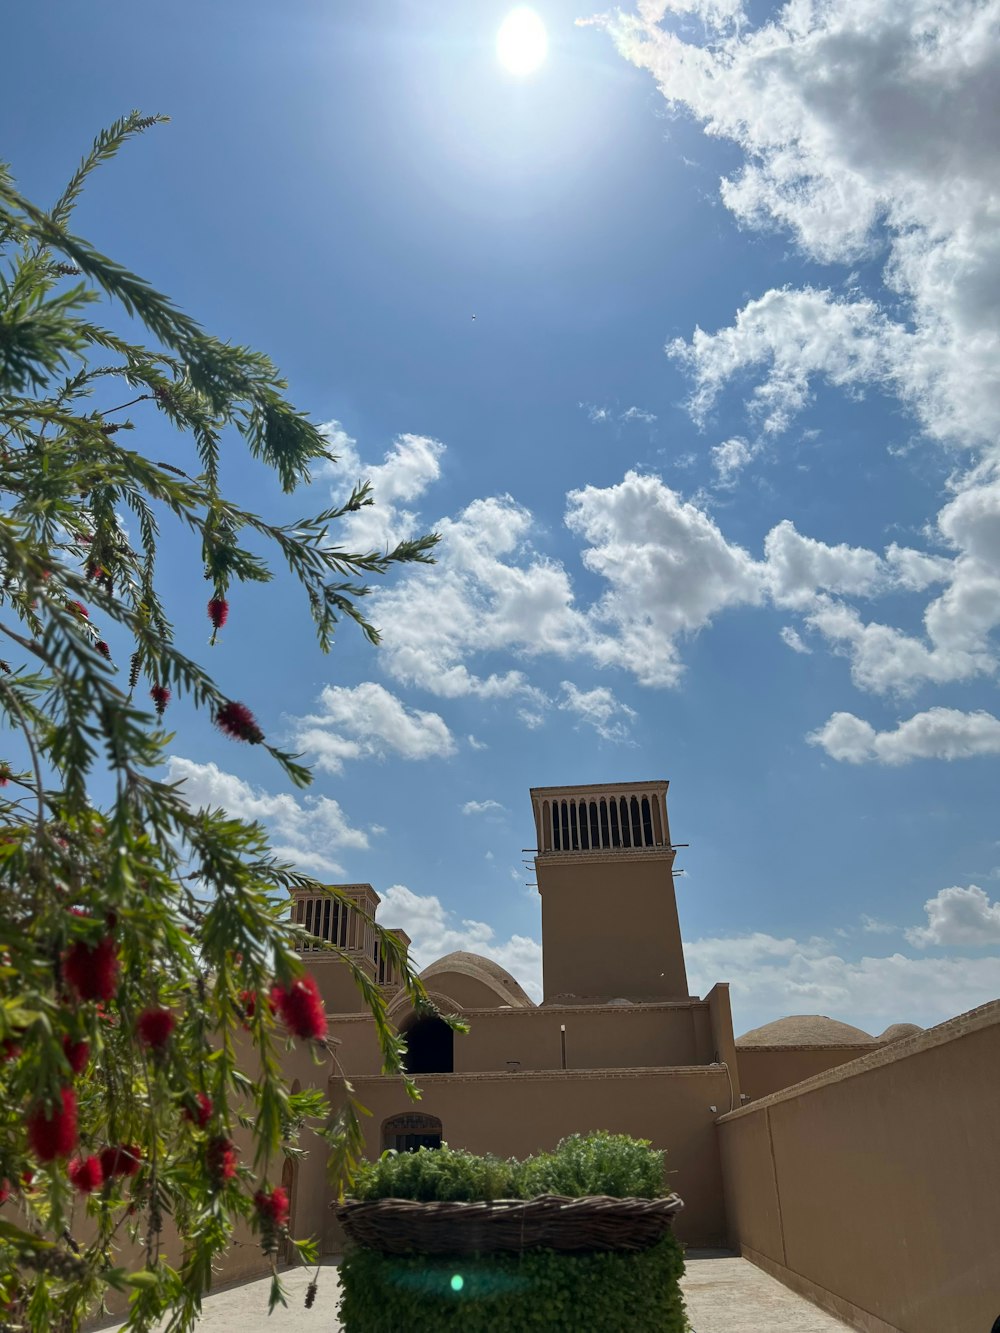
[550,1222]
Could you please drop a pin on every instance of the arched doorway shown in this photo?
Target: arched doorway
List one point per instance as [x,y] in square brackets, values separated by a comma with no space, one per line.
[430,1047]
[410,1131]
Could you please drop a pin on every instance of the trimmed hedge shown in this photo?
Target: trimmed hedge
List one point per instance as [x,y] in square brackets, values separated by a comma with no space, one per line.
[534,1292]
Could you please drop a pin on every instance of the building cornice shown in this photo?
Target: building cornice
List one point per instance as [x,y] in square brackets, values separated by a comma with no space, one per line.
[543,1075]
[507,1011]
[618,788]
[607,856]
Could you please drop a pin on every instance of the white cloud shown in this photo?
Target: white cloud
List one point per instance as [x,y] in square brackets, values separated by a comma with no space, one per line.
[794,639]
[730,458]
[481,807]
[856,117]
[531,719]
[299,825]
[599,708]
[599,415]
[668,568]
[475,744]
[596,414]
[867,131]
[938,733]
[798,567]
[367,720]
[959,918]
[406,471]
[489,593]
[771,977]
[872,926]
[435,932]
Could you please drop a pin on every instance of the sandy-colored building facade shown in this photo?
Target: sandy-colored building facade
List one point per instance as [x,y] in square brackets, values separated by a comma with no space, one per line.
[862,1170]
[617,1041]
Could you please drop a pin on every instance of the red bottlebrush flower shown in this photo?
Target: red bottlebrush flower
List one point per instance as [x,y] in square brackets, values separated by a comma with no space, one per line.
[218,612]
[4,1190]
[201,1112]
[237,721]
[53,1135]
[9,1050]
[160,696]
[125,1160]
[86,1175]
[103,649]
[248,999]
[221,1158]
[79,608]
[92,971]
[77,1053]
[27,1176]
[272,1206]
[4,774]
[155,1026]
[301,1006]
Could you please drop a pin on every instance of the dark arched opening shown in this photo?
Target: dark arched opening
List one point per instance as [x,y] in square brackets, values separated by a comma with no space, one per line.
[411,1131]
[430,1047]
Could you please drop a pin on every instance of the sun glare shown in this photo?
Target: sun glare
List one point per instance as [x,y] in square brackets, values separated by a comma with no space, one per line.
[522,42]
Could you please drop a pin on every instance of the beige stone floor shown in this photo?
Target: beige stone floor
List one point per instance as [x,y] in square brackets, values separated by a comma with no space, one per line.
[724,1294]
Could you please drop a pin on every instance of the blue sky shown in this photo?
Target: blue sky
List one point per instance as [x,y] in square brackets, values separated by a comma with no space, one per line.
[715,462]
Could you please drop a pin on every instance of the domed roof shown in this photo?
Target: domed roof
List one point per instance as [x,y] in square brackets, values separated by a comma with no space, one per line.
[483,969]
[897,1031]
[805,1030]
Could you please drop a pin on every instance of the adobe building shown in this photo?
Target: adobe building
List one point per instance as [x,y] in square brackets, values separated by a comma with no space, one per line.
[616,1043]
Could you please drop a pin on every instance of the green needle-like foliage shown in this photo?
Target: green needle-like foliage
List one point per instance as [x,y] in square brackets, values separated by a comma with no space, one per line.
[110,916]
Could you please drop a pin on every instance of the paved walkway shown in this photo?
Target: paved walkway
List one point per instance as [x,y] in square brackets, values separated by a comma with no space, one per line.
[724,1294]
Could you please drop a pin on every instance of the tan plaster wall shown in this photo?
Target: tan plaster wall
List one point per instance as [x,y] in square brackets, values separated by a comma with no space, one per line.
[764,1070]
[610,927]
[336,985]
[518,1114]
[876,1188]
[723,1043]
[603,1037]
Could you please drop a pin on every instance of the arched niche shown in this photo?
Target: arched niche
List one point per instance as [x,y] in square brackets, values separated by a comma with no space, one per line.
[411,1130]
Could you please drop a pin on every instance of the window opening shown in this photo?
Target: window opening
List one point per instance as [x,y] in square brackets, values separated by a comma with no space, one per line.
[647,824]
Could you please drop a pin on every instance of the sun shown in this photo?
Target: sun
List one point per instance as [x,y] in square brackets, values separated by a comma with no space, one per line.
[522,42]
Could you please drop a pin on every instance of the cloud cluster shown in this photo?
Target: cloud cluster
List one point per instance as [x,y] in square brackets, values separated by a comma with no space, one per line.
[367,720]
[481,807]
[771,977]
[435,932]
[867,133]
[598,708]
[667,571]
[959,918]
[306,830]
[863,127]
[938,733]
[407,469]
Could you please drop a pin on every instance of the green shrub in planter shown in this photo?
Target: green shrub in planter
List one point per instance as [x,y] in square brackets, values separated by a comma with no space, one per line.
[431,1175]
[599,1163]
[581,1164]
[535,1292]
